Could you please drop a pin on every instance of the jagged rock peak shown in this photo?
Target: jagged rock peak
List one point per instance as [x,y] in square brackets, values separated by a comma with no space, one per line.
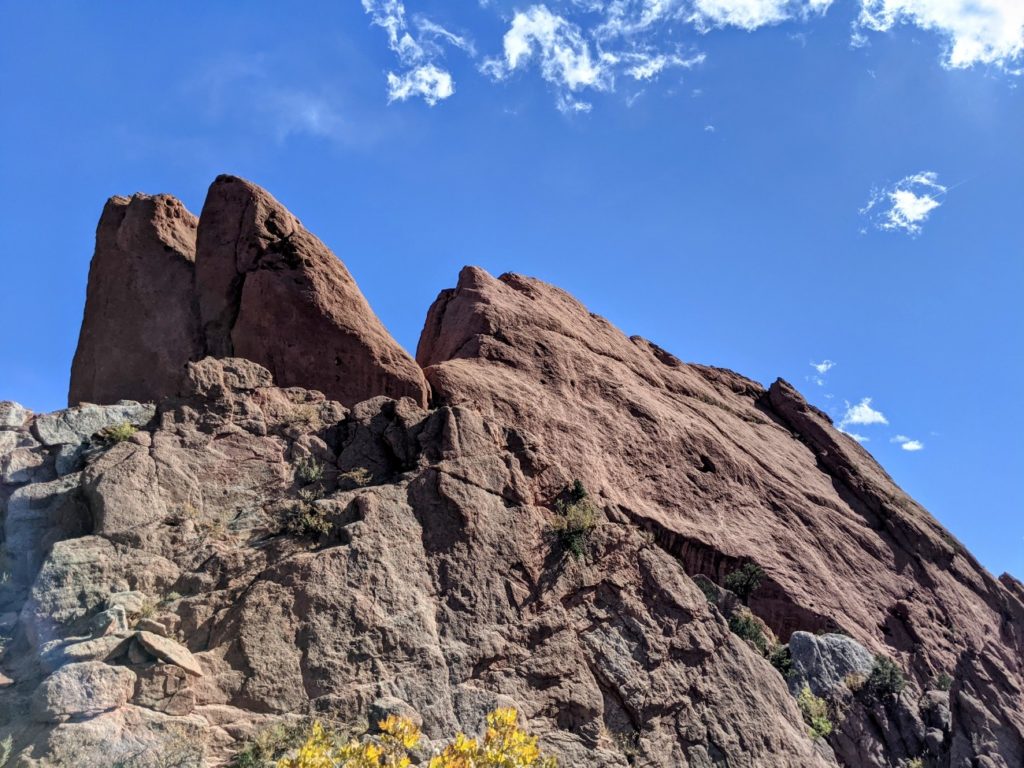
[273,293]
[139,327]
[244,280]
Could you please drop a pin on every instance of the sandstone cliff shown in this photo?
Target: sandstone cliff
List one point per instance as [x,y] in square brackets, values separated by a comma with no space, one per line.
[245,278]
[248,551]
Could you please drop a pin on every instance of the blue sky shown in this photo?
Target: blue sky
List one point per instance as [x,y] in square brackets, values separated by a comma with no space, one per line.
[756,184]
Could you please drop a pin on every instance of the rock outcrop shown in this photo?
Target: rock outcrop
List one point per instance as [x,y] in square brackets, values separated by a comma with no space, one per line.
[296,532]
[721,472]
[245,280]
[432,586]
[271,292]
[140,325]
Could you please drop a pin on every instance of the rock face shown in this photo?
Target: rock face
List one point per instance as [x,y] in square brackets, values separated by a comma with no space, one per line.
[389,607]
[140,326]
[722,471]
[271,292]
[244,280]
[254,554]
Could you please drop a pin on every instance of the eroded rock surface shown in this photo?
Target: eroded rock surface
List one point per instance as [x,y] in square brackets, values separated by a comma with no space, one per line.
[140,326]
[271,292]
[293,530]
[246,279]
[722,471]
[434,591]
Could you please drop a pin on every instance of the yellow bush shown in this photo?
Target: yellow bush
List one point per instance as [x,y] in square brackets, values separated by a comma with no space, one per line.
[504,745]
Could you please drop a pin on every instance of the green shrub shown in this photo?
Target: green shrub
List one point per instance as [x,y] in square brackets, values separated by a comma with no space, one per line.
[886,679]
[309,470]
[943,682]
[782,660]
[117,433]
[709,588]
[269,745]
[745,625]
[815,712]
[309,520]
[357,478]
[575,522]
[744,581]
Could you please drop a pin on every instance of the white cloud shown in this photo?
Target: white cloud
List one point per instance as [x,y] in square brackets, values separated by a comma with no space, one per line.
[751,14]
[573,59]
[431,31]
[565,56]
[906,205]
[821,369]
[977,31]
[855,436]
[863,414]
[419,54]
[906,443]
[645,66]
[428,81]
[583,45]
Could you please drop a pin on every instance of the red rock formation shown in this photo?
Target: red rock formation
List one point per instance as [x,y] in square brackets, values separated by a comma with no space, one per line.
[257,286]
[271,292]
[722,471]
[139,328]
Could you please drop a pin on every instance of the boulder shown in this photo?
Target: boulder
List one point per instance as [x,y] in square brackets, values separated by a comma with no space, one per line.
[84,689]
[823,662]
[271,292]
[74,426]
[13,415]
[139,328]
[170,651]
[39,514]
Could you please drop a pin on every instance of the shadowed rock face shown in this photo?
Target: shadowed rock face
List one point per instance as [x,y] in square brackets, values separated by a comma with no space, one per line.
[271,292]
[256,285]
[140,327]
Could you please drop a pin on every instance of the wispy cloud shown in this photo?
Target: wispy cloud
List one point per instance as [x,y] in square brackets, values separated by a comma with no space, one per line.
[752,14]
[906,205]
[820,369]
[419,48]
[582,46]
[247,92]
[906,443]
[574,61]
[989,32]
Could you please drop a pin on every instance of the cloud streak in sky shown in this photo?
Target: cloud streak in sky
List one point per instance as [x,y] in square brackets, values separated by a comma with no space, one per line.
[583,46]
[419,49]
[907,444]
[977,31]
[906,205]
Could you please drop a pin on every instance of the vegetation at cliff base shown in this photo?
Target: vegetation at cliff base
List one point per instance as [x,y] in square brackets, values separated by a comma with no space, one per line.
[504,745]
